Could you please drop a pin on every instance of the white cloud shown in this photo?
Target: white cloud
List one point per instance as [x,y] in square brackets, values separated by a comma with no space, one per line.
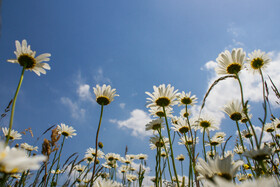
[228,89]
[136,122]
[76,111]
[122,105]
[84,93]
[234,30]
[100,78]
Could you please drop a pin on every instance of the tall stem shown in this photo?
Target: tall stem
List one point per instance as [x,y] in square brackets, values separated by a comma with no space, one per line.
[245,110]
[96,145]
[264,105]
[57,166]
[171,149]
[13,107]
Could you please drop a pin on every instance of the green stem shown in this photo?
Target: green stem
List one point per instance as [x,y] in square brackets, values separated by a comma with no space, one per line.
[265,107]
[246,112]
[13,107]
[57,166]
[171,149]
[96,144]
[203,139]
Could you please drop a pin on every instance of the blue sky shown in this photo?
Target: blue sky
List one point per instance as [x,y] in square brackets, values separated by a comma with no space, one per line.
[131,45]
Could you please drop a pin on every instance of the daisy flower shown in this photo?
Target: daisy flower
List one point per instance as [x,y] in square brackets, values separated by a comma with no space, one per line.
[79,168]
[106,183]
[184,113]
[163,96]
[105,94]
[155,125]
[112,156]
[28,147]
[15,160]
[66,130]
[205,122]
[230,63]
[14,135]
[257,60]
[124,169]
[186,99]
[92,151]
[238,149]
[156,141]
[269,127]
[142,156]
[131,177]
[158,111]
[223,167]
[181,126]
[259,154]
[189,141]
[220,135]
[88,157]
[214,141]
[234,110]
[276,123]
[26,58]
[180,157]
[247,133]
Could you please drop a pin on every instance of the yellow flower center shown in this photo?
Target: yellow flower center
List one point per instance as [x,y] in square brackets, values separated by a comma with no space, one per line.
[236,116]
[160,114]
[225,176]
[186,100]
[233,68]
[26,60]
[183,129]
[64,133]
[103,100]
[270,129]
[257,63]
[156,126]
[163,101]
[205,124]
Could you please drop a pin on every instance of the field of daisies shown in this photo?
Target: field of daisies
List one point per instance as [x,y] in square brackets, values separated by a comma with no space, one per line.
[208,162]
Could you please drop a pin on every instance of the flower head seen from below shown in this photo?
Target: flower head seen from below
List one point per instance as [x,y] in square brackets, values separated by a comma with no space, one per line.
[205,122]
[158,112]
[105,94]
[26,58]
[257,60]
[230,63]
[28,147]
[14,134]
[66,130]
[223,167]
[14,160]
[163,96]
[157,142]
[182,126]
[186,99]
[259,154]
[234,110]
[180,157]
[155,125]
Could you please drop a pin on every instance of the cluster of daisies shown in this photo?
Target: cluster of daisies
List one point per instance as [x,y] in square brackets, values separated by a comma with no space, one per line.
[252,162]
[254,158]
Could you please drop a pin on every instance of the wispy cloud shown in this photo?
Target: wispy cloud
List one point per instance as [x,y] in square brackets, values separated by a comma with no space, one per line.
[122,105]
[84,93]
[227,90]
[235,32]
[76,111]
[136,123]
[99,77]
